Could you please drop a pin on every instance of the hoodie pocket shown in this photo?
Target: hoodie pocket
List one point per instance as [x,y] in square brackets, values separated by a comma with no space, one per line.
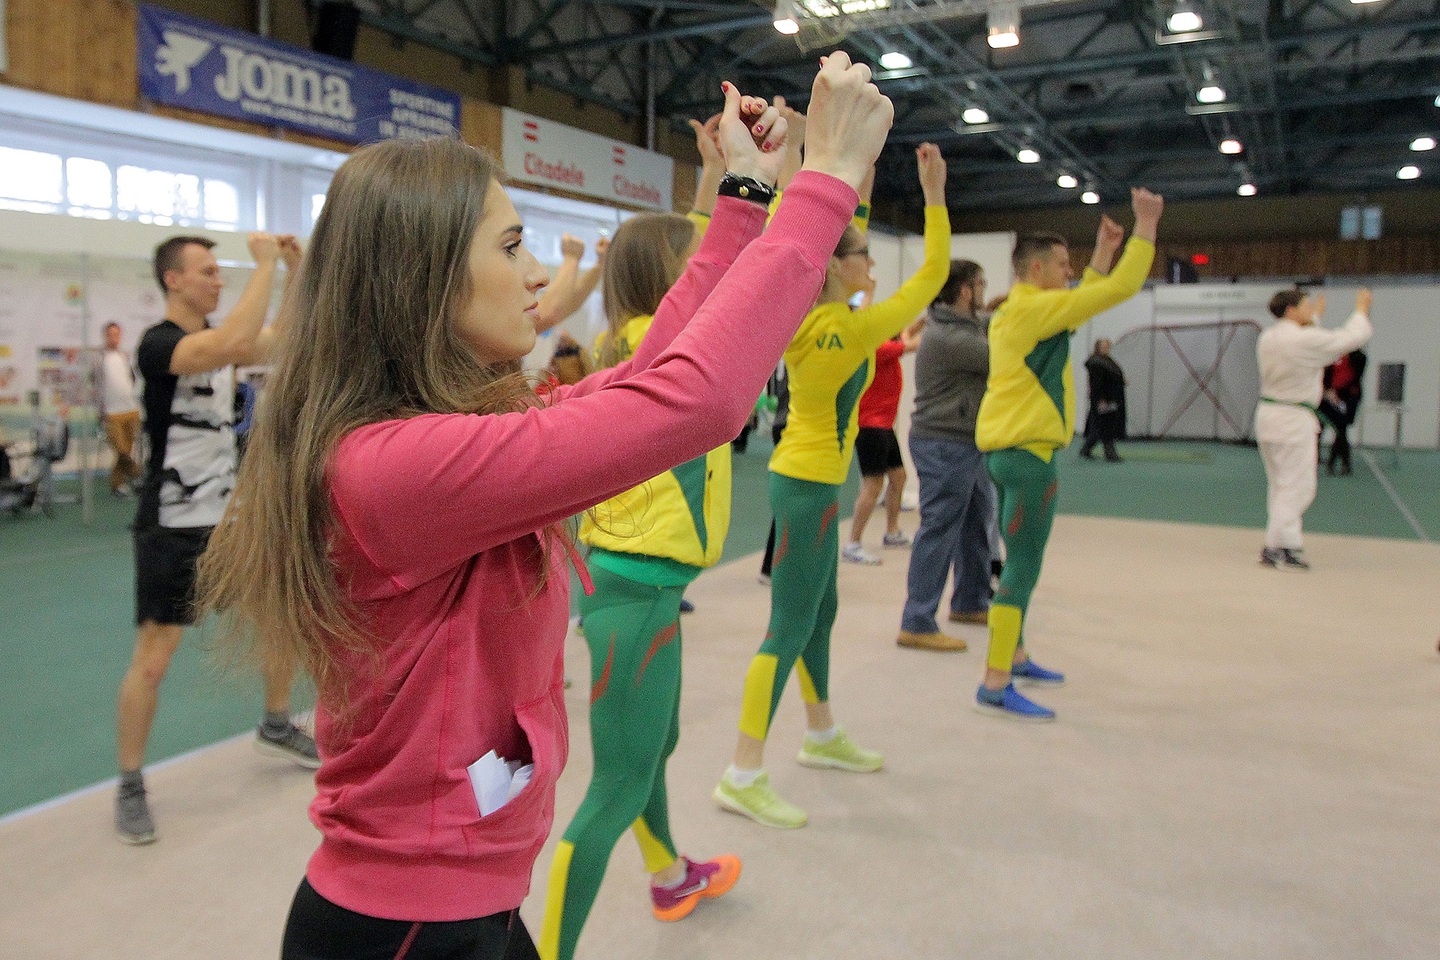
[525,820]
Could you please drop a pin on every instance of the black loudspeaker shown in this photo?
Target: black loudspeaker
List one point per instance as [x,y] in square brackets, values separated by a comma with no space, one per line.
[335,26]
[1391,385]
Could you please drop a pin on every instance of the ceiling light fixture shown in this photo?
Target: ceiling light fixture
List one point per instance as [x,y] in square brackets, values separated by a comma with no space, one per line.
[1027,156]
[1408,172]
[1185,18]
[1004,28]
[784,19]
[1421,144]
[1066,181]
[1247,190]
[895,60]
[974,115]
[1358,2]
[1230,146]
[1089,196]
[1211,93]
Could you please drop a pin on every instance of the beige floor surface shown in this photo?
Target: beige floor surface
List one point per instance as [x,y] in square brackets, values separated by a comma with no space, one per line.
[1245,766]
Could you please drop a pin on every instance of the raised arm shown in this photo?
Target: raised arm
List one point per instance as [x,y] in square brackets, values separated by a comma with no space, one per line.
[1061,310]
[754,122]
[1107,243]
[570,288]
[1323,347]
[712,165]
[878,323]
[408,490]
[234,340]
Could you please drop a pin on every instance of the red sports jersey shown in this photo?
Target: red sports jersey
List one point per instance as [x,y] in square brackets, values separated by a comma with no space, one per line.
[881,402]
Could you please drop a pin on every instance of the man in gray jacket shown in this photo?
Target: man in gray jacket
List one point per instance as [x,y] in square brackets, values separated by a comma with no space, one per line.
[957,499]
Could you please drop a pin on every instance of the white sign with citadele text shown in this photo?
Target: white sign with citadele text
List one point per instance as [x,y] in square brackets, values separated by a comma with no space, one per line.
[551,154]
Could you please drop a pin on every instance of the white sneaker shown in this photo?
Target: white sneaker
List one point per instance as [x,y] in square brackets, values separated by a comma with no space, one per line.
[897,539]
[854,553]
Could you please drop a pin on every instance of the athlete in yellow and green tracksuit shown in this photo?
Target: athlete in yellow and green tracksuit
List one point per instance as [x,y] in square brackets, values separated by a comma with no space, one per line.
[646,546]
[830,362]
[1027,414]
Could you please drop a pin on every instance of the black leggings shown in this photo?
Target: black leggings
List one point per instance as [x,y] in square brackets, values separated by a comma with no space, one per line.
[320,930]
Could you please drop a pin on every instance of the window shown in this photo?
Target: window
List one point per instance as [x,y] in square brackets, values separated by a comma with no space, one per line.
[30,180]
[48,166]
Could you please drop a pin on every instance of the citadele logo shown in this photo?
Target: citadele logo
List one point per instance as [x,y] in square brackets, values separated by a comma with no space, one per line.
[619,156]
[532,131]
[179,53]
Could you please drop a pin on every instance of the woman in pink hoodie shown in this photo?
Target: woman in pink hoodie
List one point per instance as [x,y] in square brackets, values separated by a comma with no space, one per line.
[398,526]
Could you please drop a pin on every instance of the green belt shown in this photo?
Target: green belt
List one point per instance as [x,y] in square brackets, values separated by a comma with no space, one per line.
[1292,403]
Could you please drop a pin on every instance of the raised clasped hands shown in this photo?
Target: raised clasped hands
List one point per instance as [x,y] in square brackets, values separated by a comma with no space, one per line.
[752,136]
[847,121]
[264,248]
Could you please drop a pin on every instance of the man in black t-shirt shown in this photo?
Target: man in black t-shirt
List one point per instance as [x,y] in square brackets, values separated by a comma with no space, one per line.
[185,371]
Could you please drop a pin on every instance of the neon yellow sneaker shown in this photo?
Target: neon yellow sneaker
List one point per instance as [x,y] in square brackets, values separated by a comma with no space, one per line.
[839,753]
[760,803]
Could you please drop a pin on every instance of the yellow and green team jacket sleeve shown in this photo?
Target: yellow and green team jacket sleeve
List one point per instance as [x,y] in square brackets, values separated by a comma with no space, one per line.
[1030,396]
[831,362]
[861,218]
[683,515]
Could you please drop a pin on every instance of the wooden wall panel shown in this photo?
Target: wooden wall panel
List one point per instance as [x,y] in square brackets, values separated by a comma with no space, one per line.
[84,49]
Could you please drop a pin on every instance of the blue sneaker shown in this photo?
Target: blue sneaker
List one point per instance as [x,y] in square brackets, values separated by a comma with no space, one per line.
[1032,672]
[1011,704]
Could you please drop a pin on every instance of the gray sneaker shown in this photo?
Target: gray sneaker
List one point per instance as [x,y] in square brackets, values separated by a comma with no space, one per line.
[132,816]
[294,744]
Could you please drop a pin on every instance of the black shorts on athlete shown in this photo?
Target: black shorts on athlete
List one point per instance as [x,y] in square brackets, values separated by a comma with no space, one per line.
[165,561]
[878,451]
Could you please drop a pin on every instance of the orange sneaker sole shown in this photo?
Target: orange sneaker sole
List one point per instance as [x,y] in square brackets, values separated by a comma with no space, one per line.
[720,884]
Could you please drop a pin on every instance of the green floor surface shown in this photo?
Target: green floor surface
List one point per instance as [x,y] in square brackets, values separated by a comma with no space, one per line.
[66,594]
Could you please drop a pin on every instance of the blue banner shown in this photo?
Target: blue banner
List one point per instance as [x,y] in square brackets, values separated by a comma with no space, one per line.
[191,63]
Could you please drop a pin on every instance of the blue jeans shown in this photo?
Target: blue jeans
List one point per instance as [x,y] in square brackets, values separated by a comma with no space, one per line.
[957,514]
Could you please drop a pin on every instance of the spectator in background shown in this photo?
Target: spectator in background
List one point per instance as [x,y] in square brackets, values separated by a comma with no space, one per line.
[957,498]
[1340,404]
[187,387]
[878,449]
[1105,423]
[120,412]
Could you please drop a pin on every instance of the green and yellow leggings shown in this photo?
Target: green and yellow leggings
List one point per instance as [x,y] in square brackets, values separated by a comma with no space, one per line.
[803,600]
[633,630]
[1027,486]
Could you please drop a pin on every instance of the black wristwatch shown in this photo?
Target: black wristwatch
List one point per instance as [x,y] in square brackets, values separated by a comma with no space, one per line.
[746,188]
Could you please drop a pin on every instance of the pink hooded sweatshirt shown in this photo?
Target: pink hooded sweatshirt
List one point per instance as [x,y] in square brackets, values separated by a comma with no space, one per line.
[439,520]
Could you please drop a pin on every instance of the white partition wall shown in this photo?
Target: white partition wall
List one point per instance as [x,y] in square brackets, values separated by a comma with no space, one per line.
[1407,330]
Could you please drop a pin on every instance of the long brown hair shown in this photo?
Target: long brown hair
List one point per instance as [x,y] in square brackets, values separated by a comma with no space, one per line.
[368,335]
[645,259]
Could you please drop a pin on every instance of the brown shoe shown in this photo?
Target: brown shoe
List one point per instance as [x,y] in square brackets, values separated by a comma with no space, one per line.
[930,641]
[970,616]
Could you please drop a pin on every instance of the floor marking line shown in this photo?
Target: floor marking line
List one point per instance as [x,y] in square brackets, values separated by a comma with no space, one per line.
[1395,497]
[305,720]
[70,554]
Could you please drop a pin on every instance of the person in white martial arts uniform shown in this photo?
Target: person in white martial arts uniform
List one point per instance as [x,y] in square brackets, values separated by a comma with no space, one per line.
[1293,356]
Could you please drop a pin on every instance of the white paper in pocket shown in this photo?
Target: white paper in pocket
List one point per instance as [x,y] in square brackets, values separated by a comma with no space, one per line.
[496,781]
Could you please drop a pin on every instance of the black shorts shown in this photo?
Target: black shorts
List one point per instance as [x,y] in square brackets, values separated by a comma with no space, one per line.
[878,451]
[165,562]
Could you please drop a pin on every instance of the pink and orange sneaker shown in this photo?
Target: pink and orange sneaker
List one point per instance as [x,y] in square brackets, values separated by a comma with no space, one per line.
[707,880]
